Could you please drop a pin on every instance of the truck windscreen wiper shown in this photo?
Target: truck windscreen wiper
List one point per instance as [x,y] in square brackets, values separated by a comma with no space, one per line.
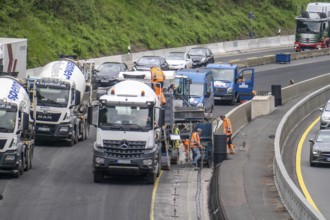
[139,127]
[3,129]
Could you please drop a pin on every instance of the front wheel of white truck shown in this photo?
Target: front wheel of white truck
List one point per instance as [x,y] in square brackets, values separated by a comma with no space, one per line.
[98,177]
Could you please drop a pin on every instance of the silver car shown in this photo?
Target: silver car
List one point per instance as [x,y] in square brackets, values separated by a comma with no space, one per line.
[325,117]
[320,148]
[178,60]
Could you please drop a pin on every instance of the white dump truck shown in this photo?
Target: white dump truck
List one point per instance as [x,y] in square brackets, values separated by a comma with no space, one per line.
[13,56]
[62,103]
[16,128]
[128,132]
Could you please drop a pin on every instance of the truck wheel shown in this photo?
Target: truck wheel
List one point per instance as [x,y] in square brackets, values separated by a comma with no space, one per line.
[151,178]
[86,131]
[71,142]
[20,169]
[27,161]
[98,177]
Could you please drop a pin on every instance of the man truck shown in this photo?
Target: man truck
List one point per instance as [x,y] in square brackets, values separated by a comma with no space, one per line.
[128,136]
[62,103]
[312,27]
[16,127]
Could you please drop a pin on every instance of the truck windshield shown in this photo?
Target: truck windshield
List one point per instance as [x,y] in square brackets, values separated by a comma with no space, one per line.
[308,27]
[128,118]
[226,75]
[52,97]
[7,120]
[197,89]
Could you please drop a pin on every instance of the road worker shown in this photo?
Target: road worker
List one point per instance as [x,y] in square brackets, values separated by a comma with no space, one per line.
[186,145]
[227,129]
[157,81]
[195,145]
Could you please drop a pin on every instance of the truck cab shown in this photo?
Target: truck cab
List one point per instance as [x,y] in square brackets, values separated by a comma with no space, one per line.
[201,88]
[128,132]
[231,84]
[16,128]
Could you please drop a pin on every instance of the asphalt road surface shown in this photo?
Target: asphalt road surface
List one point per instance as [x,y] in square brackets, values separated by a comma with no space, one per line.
[60,184]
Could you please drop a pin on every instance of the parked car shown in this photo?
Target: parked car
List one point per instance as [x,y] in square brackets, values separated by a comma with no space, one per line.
[178,60]
[320,148]
[107,73]
[325,116]
[201,56]
[146,62]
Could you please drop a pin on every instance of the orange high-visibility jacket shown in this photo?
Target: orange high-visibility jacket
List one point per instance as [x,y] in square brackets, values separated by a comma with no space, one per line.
[157,75]
[195,140]
[227,129]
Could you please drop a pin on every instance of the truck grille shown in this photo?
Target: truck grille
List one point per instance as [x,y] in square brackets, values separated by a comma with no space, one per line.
[326,154]
[220,90]
[124,149]
[54,117]
[2,143]
[45,129]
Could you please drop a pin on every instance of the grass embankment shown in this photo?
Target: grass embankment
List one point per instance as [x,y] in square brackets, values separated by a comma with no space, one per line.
[94,28]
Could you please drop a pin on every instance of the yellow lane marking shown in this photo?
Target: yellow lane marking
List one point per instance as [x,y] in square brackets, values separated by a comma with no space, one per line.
[154,191]
[298,164]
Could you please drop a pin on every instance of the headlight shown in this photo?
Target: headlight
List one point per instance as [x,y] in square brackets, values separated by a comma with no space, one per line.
[203,59]
[67,116]
[147,162]
[229,90]
[10,157]
[13,143]
[327,118]
[200,104]
[64,129]
[99,160]
[316,152]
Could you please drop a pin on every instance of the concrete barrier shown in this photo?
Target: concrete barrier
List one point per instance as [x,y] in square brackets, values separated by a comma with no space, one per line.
[293,199]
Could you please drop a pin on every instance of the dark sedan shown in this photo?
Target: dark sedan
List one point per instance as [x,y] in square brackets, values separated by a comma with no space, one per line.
[107,73]
[201,56]
[320,148]
[146,62]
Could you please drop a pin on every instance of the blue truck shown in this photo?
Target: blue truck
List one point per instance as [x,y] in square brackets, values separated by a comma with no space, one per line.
[232,84]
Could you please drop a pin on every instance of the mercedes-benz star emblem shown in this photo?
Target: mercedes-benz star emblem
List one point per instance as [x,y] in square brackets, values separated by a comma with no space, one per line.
[307,40]
[124,144]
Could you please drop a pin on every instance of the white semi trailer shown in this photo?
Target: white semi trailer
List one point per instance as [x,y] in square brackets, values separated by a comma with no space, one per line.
[16,128]
[62,103]
[13,56]
[128,132]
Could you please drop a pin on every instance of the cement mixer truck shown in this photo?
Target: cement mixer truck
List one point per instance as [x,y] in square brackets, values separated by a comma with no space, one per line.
[128,136]
[62,103]
[16,128]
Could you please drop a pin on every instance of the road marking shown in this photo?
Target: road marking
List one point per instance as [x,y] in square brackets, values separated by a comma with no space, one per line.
[298,163]
[188,199]
[154,191]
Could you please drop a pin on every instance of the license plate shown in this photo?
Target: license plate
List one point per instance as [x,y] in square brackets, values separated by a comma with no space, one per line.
[104,81]
[124,161]
[43,129]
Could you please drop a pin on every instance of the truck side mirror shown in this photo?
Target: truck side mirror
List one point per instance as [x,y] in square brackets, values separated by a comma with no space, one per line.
[26,122]
[90,115]
[77,98]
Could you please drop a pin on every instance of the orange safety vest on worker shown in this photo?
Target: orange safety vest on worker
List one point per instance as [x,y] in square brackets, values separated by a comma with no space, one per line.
[195,140]
[157,75]
[227,129]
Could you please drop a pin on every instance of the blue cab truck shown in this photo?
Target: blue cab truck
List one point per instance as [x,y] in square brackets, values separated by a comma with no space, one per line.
[232,84]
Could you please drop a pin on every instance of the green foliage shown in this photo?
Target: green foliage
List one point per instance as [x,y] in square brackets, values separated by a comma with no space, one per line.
[94,28]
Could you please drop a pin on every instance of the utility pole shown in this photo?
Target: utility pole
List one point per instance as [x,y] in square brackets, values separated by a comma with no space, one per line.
[251,32]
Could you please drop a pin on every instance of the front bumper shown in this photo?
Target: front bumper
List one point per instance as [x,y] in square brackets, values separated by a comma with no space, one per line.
[9,166]
[53,132]
[121,166]
[324,124]
[223,96]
